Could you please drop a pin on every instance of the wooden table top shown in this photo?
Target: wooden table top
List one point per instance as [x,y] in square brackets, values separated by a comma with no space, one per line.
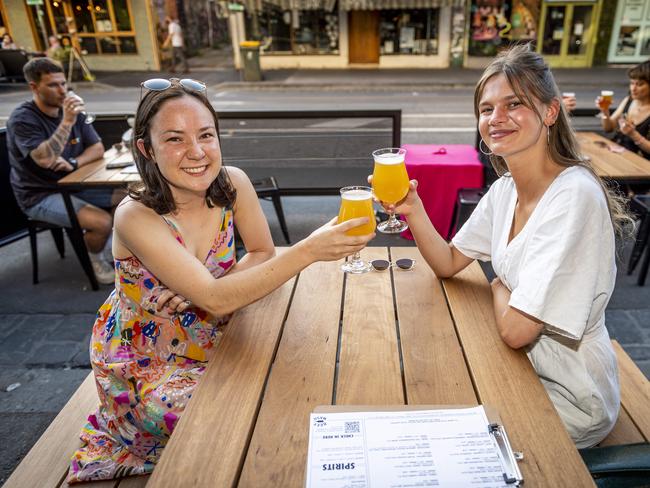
[625,166]
[96,173]
[383,338]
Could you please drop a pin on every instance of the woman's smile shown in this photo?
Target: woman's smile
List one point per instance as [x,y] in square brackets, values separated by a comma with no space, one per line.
[196,170]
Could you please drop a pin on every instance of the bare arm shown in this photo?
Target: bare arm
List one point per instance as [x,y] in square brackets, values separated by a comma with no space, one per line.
[91,153]
[516,328]
[443,258]
[610,122]
[48,152]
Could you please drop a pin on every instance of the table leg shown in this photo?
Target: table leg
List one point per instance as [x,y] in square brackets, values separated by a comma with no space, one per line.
[77,238]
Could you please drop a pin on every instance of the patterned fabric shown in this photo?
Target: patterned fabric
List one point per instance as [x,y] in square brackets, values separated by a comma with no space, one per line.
[146,366]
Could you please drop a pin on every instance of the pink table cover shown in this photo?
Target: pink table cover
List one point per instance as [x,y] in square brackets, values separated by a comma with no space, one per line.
[440,176]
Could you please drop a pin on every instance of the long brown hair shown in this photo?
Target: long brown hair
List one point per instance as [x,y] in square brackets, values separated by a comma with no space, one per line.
[531,78]
[154,190]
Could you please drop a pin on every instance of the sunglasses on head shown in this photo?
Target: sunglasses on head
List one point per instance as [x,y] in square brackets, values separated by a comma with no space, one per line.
[382,265]
[161,84]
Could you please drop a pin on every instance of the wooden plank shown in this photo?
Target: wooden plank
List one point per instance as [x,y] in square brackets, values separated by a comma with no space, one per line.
[46,464]
[301,379]
[132,482]
[635,391]
[84,172]
[369,368]
[625,165]
[624,431]
[434,367]
[92,484]
[209,443]
[505,380]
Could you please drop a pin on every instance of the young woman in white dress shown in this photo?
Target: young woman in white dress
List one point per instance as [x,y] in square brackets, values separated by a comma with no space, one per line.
[548,225]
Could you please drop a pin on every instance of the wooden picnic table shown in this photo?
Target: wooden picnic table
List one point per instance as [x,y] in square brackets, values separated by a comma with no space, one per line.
[383,338]
[625,167]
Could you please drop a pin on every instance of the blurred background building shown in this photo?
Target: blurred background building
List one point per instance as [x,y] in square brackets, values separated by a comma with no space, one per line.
[127,34]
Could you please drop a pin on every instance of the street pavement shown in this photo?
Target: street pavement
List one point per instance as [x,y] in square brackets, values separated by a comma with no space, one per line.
[45,328]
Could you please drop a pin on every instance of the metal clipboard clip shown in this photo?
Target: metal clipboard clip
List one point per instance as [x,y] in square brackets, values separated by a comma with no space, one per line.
[511,473]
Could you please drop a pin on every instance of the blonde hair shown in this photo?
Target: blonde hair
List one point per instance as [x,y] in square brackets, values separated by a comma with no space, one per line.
[531,78]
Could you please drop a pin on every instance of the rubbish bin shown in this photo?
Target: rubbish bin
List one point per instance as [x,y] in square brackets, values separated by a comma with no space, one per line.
[250,55]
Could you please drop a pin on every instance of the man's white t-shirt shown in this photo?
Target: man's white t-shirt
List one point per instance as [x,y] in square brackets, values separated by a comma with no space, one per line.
[176,33]
[560,269]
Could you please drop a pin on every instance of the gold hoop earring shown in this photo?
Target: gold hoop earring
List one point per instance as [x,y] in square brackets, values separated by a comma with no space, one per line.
[480,148]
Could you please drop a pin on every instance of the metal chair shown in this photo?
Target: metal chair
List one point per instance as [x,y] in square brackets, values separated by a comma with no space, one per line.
[34,226]
[466,201]
[640,205]
[267,188]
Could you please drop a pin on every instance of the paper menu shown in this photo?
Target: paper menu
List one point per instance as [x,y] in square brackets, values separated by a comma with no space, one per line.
[400,449]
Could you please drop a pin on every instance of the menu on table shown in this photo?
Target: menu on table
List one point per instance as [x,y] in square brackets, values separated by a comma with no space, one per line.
[408,448]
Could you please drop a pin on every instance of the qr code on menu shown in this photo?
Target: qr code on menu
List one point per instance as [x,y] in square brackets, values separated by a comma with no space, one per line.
[352,427]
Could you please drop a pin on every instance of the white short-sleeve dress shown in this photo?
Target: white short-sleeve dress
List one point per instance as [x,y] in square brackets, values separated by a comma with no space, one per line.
[560,269]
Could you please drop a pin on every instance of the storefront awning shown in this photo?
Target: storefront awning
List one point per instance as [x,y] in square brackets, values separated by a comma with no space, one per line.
[398,4]
[256,5]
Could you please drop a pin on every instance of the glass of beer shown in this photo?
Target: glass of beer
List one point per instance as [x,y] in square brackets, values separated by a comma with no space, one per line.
[606,99]
[390,184]
[356,201]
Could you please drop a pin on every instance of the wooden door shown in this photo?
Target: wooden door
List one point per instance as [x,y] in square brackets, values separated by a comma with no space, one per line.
[363,34]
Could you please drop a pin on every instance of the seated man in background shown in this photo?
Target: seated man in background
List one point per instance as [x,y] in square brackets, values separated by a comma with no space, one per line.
[47,139]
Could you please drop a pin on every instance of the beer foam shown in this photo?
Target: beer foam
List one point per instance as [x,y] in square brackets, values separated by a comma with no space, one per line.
[607,93]
[389,158]
[356,195]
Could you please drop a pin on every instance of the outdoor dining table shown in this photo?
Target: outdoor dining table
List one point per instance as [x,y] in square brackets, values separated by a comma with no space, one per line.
[325,338]
[624,167]
[383,338]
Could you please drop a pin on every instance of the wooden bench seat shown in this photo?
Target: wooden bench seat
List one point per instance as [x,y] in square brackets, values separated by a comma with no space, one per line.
[47,462]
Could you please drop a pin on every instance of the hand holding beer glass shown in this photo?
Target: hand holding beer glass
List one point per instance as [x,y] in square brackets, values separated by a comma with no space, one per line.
[604,101]
[390,184]
[356,201]
[89,118]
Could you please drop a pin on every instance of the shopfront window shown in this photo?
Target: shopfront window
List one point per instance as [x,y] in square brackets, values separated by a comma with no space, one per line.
[409,31]
[631,34]
[100,26]
[495,24]
[295,31]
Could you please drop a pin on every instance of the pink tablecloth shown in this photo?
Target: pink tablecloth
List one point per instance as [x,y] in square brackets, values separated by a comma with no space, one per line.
[440,176]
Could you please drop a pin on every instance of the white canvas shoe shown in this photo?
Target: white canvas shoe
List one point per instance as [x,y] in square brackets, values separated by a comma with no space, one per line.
[104,272]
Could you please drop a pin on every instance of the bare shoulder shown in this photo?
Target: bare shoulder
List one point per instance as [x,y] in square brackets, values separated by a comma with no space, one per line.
[131,213]
[238,177]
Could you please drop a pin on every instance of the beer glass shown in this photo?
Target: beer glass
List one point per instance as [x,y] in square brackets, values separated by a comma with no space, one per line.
[89,118]
[390,184]
[356,201]
[606,99]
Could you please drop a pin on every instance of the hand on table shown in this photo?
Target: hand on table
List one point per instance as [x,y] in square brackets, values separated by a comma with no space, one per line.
[61,165]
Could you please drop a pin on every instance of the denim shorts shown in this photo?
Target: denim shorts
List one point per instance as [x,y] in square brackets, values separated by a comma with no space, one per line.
[52,208]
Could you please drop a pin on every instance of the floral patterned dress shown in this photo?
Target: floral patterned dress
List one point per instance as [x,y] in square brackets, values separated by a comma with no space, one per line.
[146,366]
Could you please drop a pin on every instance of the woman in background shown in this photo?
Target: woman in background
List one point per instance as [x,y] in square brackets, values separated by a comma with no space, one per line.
[631,120]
